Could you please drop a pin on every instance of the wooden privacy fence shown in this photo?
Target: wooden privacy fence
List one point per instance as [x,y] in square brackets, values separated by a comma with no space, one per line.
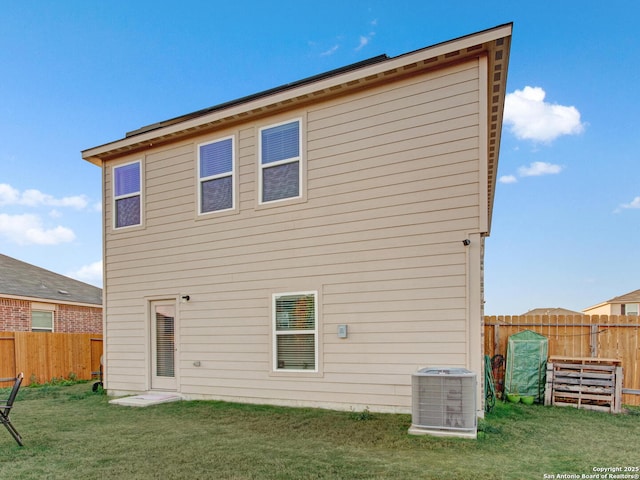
[576,336]
[42,356]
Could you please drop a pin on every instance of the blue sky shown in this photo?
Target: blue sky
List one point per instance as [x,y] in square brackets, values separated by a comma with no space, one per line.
[566,224]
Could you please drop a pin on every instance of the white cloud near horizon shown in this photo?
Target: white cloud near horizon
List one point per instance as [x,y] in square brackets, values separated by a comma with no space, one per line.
[531,118]
[28,229]
[508,179]
[633,204]
[35,198]
[535,169]
[91,273]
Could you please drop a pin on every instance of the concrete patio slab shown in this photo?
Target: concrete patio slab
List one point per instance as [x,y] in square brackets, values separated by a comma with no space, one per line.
[146,399]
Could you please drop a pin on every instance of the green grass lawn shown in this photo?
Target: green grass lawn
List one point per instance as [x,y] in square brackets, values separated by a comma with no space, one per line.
[72,433]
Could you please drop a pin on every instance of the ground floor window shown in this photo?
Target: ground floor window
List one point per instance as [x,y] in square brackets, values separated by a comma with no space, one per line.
[295,320]
[41,321]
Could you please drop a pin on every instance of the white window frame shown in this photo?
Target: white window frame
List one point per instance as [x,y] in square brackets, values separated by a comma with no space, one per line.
[635,311]
[298,159]
[277,333]
[114,213]
[52,329]
[231,174]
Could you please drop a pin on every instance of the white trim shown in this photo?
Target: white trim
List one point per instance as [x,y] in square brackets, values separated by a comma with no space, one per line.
[115,198]
[474,315]
[483,146]
[276,334]
[299,159]
[232,174]
[43,307]
[174,301]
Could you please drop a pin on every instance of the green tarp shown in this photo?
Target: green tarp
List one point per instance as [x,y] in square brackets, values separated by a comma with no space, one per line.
[526,365]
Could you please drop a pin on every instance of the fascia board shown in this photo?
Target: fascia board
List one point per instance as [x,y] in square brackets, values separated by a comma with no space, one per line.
[400,61]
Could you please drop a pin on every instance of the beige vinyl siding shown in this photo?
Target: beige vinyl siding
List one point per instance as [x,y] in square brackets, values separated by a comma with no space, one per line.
[392,189]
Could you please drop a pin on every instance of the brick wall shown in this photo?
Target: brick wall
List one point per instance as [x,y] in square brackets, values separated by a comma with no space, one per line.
[15,316]
[75,319]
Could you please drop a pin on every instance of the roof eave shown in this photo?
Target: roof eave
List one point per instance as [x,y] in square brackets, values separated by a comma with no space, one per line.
[51,300]
[488,41]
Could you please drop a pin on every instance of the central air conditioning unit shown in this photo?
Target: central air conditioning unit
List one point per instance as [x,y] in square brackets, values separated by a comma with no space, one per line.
[444,402]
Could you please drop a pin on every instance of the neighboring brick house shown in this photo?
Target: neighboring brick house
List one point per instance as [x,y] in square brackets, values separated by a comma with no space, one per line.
[35,299]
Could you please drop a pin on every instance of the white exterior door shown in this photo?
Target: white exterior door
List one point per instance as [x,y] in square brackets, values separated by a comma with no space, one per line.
[163,345]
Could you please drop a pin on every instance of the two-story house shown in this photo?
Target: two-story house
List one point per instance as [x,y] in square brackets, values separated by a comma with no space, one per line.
[314,244]
[627,304]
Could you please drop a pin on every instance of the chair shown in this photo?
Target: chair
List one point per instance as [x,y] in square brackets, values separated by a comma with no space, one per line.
[5,410]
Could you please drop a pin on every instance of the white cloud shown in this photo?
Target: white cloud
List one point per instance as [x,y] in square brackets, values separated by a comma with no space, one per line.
[28,229]
[8,194]
[364,40]
[535,169]
[539,168]
[331,51]
[35,198]
[531,118]
[91,273]
[508,179]
[633,204]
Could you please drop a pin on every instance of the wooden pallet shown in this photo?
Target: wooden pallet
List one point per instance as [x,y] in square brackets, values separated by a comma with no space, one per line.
[588,383]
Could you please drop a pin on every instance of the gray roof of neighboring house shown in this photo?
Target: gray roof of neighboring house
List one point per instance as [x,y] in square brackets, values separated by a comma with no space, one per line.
[552,311]
[631,297]
[22,279]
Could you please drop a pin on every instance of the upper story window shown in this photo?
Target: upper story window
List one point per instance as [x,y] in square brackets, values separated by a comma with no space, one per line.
[216,165]
[127,192]
[295,331]
[280,162]
[629,309]
[41,321]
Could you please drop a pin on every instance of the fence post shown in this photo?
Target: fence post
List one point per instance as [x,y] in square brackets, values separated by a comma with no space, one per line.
[593,340]
[618,389]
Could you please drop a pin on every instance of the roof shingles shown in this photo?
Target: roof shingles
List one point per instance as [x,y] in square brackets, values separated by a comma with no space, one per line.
[21,279]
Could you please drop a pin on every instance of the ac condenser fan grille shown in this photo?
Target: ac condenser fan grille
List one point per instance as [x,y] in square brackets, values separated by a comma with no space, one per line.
[444,400]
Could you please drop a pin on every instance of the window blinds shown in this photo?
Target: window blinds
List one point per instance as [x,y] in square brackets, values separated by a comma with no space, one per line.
[127,179]
[164,345]
[41,321]
[216,158]
[295,332]
[281,142]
